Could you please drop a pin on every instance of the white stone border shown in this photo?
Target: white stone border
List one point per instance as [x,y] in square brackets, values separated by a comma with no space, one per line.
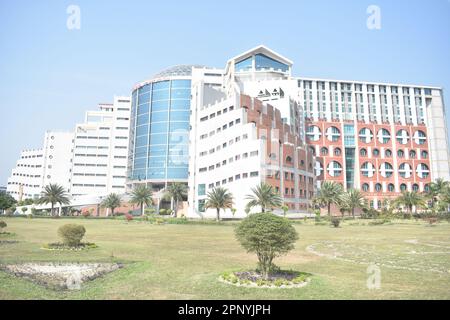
[255,286]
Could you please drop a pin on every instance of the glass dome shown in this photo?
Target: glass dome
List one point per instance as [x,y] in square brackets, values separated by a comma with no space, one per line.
[184,70]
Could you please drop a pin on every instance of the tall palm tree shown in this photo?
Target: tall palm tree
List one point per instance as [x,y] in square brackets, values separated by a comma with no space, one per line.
[141,195]
[112,201]
[410,200]
[353,199]
[177,192]
[219,198]
[53,194]
[329,193]
[265,196]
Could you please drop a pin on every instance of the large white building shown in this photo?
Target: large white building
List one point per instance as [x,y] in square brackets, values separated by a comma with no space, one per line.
[100,150]
[37,168]
[91,161]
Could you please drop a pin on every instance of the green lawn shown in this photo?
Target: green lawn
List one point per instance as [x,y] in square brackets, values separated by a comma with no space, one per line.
[185,261]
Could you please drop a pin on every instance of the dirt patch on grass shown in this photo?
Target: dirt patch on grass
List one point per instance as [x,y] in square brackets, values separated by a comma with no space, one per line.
[60,276]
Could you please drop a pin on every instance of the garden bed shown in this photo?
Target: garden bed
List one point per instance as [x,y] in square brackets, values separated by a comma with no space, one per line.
[60,276]
[64,247]
[8,242]
[254,279]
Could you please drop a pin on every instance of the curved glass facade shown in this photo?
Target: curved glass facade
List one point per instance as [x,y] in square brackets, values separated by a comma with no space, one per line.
[159,139]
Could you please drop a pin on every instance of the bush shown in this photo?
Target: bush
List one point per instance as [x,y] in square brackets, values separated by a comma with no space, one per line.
[2,225]
[268,235]
[71,234]
[129,217]
[162,212]
[150,210]
[86,214]
[335,222]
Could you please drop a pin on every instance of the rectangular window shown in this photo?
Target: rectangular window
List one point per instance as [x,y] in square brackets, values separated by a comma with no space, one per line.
[201,189]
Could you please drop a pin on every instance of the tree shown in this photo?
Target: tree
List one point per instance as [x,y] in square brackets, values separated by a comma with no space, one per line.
[3,225]
[141,195]
[219,198]
[410,200]
[329,193]
[53,194]
[269,236]
[437,189]
[6,201]
[177,192]
[265,196]
[112,201]
[351,200]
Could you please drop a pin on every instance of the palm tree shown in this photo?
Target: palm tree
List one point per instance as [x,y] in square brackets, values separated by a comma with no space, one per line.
[141,195]
[437,190]
[54,193]
[112,201]
[176,191]
[329,193]
[219,198]
[410,200]
[265,196]
[353,199]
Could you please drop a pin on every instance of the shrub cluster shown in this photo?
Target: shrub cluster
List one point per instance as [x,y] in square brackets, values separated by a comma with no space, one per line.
[71,234]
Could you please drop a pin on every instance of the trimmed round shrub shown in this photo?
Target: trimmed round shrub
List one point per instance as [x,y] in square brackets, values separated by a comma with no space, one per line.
[267,235]
[335,222]
[71,234]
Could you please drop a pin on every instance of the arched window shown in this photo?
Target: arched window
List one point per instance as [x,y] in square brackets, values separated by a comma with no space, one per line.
[403,187]
[426,188]
[376,152]
[402,136]
[388,153]
[367,169]
[363,152]
[424,154]
[313,133]
[333,134]
[337,152]
[378,187]
[386,170]
[391,187]
[415,187]
[312,150]
[334,169]
[412,154]
[420,137]
[365,135]
[288,159]
[324,151]
[405,170]
[423,171]
[400,153]
[365,187]
[384,136]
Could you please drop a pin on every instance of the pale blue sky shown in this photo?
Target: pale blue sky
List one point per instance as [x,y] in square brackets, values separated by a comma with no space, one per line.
[50,75]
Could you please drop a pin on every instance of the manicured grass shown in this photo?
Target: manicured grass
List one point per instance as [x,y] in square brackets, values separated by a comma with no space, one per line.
[185,261]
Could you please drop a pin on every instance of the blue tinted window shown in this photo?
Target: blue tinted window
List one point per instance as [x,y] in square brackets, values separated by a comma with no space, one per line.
[181,84]
[141,152]
[159,116]
[179,126]
[158,173]
[143,108]
[145,88]
[161,85]
[160,105]
[160,95]
[159,127]
[158,139]
[142,130]
[264,62]
[179,116]
[144,98]
[156,162]
[180,105]
[139,174]
[181,93]
[177,173]
[140,163]
[141,141]
[244,65]
[142,119]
